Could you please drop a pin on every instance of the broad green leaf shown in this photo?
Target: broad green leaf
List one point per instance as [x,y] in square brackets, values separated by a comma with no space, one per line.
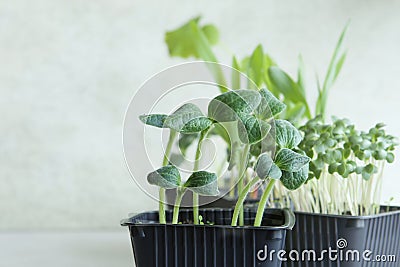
[245,62]
[290,161]
[255,68]
[293,180]
[270,106]
[339,66]
[265,167]
[287,136]
[188,119]
[252,130]
[156,120]
[212,34]
[286,85]
[294,113]
[166,177]
[203,183]
[191,40]
[232,105]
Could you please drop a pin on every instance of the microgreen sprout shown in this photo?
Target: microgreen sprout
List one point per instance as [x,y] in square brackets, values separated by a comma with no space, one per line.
[346,167]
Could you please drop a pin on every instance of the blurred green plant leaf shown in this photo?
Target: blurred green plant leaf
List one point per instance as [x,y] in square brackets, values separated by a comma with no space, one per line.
[212,34]
[301,76]
[156,120]
[235,74]
[286,85]
[270,106]
[232,105]
[192,40]
[335,66]
[255,67]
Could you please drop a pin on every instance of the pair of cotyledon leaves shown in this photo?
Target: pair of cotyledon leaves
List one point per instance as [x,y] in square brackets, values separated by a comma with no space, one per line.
[200,182]
[289,166]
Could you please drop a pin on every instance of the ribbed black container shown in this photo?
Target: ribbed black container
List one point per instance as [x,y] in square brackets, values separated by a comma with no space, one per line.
[205,202]
[216,245]
[377,233]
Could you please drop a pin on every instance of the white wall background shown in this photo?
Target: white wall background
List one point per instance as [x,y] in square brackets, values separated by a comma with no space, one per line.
[69,68]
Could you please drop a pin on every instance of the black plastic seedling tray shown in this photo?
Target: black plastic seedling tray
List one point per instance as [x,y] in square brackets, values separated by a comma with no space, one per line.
[214,244]
[379,234]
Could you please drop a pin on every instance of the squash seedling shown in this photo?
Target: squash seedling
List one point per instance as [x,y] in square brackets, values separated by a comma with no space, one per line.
[253,113]
[187,119]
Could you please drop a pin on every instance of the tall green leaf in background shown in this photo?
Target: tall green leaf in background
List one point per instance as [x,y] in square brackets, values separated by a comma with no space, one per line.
[291,90]
[334,68]
[255,68]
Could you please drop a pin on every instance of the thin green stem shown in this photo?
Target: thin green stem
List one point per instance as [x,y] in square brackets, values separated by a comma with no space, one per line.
[179,195]
[242,171]
[161,201]
[263,202]
[161,206]
[203,135]
[168,149]
[242,197]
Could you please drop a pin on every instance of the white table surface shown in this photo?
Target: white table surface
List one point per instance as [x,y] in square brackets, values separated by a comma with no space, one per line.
[67,248]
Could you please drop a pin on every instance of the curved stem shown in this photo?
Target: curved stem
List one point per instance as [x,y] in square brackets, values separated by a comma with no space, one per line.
[161,194]
[242,171]
[203,135]
[263,202]
[179,195]
[241,199]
